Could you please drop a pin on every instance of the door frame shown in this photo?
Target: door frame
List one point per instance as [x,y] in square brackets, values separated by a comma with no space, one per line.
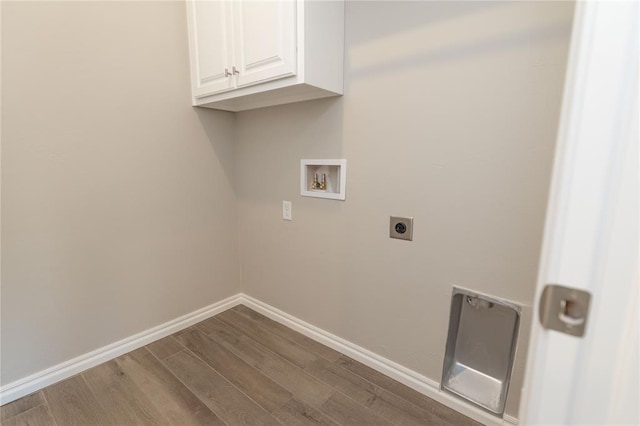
[591,230]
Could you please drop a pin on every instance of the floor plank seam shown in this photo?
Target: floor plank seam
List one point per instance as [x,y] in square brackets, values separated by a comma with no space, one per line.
[360,404]
[93,393]
[275,354]
[35,406]
[187,350]
[303,369]
[184,384]
[267,332]
[24,413]
[162,361]
[281,359]
[250,366]
[233,384]
[380,388]
[295,343]
[46,402]
[268,350]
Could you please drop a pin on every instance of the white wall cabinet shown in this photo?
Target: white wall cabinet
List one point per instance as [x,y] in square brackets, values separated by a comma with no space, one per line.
[249,54]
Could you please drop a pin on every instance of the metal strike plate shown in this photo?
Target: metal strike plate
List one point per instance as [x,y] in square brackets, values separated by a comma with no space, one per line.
[564,309]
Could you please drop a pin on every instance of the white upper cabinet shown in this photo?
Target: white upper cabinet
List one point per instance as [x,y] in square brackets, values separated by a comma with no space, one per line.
[264,40]
[249,54]
[210,32]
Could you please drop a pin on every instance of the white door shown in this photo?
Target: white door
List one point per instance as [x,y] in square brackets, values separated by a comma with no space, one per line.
[265,40]
[210,33]
[591,234]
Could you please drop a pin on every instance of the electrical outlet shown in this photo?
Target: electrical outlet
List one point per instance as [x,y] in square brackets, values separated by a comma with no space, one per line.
[401,228]
[286,210]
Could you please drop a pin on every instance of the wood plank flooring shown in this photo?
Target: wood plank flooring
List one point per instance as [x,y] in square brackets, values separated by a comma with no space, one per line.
[238,368]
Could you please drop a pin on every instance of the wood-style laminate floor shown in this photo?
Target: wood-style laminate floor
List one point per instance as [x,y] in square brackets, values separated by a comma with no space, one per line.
[238,368]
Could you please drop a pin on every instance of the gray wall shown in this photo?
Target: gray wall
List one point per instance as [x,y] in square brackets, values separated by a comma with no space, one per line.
[118,204]
[449,115]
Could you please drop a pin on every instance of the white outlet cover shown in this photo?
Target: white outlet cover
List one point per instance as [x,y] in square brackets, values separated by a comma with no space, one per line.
[286,210]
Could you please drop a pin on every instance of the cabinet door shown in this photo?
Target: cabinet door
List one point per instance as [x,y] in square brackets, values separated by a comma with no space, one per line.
[265,40]
[210,44]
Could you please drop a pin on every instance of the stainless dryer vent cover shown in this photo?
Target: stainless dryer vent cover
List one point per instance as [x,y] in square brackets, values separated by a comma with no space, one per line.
[481,344]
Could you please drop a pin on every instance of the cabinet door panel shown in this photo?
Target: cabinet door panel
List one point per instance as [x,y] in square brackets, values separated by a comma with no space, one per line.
[265,40]
[211,46]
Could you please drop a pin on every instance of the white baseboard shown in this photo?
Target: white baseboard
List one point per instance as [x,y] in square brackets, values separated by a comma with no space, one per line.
[414,380]
[42,379]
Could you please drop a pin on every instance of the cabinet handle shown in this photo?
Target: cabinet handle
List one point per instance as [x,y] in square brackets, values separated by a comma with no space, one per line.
[227,73]
[235,71]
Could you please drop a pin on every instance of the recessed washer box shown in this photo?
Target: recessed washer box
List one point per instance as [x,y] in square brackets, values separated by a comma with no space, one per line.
[481,345]
[323,178]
